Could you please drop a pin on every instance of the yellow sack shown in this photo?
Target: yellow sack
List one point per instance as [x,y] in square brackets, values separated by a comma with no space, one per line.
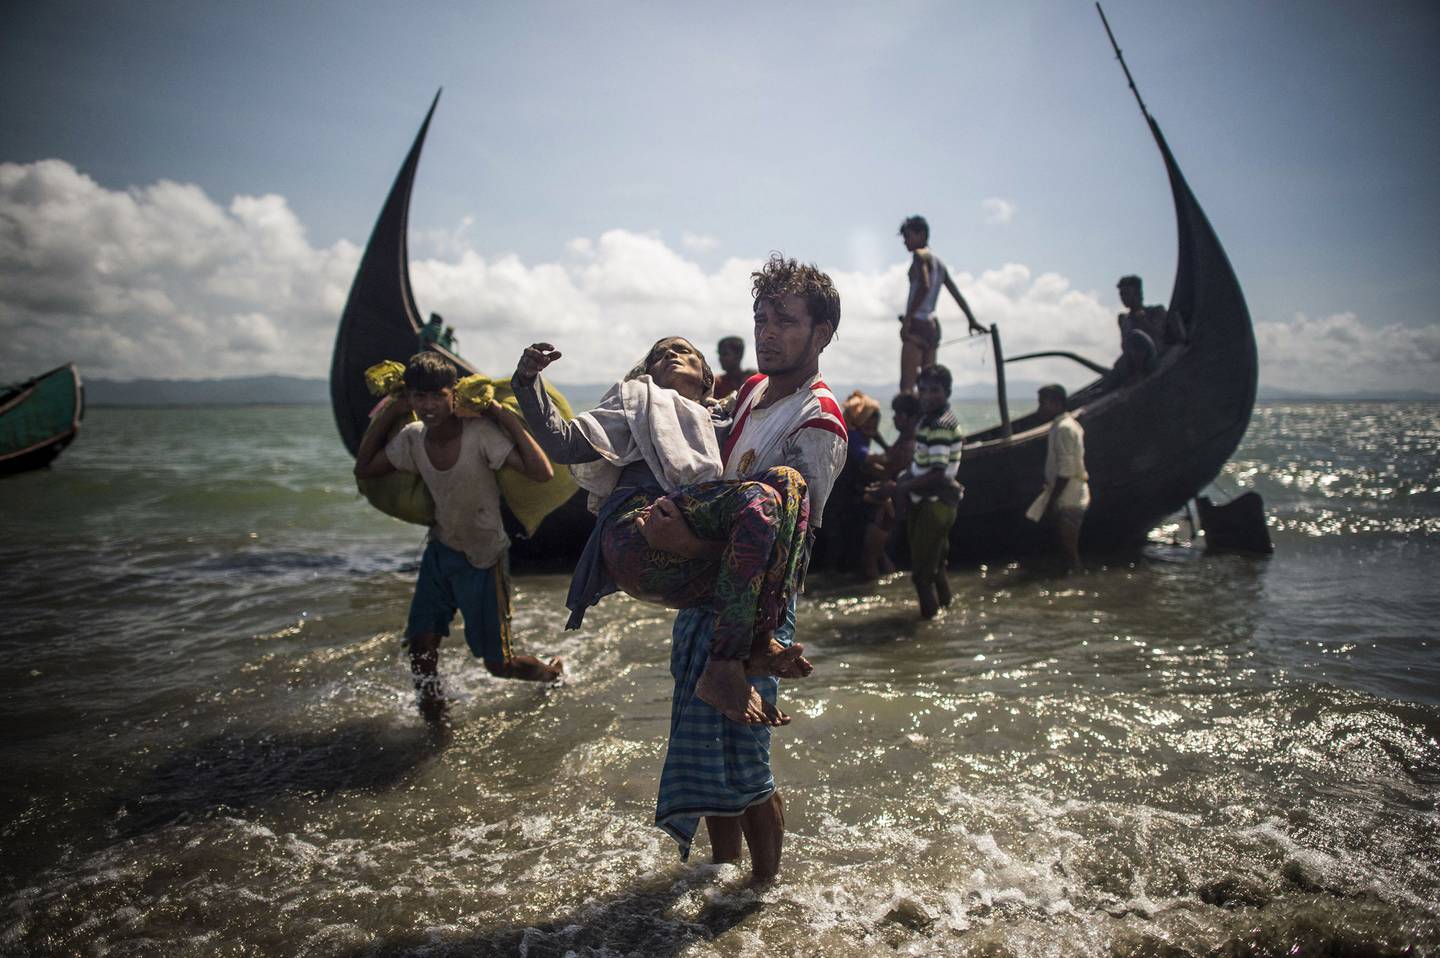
[404,496]
[532,501]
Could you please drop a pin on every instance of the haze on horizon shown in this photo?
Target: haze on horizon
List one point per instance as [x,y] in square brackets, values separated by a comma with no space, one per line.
[185,191]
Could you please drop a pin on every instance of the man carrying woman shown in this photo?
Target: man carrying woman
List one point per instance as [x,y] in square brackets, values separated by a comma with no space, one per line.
[786,415]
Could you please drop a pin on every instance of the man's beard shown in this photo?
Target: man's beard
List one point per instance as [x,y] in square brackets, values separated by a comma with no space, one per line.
[804,361]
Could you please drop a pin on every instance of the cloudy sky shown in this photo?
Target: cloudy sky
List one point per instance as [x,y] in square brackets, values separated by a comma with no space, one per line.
[185,187]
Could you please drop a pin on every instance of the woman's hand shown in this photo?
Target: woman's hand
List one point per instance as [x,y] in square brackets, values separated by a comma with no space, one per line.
[533,361]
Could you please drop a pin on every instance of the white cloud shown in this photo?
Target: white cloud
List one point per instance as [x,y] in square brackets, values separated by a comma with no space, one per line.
[698,242]
[162,281]
[1340,354]
[442,242]
[998,210]
[159,281]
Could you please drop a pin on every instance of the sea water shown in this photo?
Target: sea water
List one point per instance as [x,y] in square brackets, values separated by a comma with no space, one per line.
[211,745]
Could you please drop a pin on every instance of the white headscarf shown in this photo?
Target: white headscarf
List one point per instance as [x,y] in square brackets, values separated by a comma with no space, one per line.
[636,420]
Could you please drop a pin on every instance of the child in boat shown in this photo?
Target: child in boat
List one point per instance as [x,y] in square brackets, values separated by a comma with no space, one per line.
[465,565]
[651,444]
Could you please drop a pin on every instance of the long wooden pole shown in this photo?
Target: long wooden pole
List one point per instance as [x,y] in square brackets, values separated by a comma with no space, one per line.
[1121,57]
[1006,429]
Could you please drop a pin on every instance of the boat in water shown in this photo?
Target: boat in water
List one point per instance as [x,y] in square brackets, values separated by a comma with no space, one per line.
[39,418]
[1152,443]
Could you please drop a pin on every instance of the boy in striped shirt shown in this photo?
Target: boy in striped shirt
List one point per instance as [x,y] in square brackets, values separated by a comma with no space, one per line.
[932,490]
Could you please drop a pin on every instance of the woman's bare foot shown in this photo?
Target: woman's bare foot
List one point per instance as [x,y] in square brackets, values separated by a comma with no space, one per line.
[723,686]
[773,716]
[779,660]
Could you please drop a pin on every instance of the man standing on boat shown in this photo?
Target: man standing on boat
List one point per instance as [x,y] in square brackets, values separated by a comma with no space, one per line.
[1066,495]
[919,327]
[715,768]
[433,332]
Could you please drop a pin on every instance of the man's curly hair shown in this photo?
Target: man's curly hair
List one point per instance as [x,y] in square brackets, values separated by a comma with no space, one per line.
[787,277]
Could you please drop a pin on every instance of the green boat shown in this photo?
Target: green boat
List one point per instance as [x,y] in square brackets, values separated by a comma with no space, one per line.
[39,418]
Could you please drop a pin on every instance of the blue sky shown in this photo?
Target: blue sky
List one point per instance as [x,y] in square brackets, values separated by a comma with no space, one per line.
[186,186]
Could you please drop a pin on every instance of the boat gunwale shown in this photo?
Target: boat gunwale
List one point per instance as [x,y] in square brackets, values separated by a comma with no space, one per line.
[25,393]
[64,437]
[1086,412]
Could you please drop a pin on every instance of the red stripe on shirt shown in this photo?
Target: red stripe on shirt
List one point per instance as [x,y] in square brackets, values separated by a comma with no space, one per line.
[831,418]
[826,423]
[742,404]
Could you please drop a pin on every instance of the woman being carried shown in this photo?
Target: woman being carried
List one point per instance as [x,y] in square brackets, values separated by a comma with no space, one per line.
[650,444]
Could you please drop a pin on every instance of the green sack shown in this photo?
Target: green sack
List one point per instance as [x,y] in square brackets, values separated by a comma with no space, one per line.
[400,494]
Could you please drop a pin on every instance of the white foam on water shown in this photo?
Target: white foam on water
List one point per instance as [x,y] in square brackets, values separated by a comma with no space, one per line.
[246,829]
[535,827]
[335,939]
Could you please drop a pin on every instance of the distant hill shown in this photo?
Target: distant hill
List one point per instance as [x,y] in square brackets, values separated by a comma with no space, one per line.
[1272,394]
[293,390]
[242,391]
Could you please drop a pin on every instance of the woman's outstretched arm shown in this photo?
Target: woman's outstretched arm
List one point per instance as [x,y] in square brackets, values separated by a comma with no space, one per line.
[562,440]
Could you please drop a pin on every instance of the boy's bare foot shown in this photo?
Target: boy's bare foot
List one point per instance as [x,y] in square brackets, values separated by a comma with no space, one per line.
[778,660]
[424,661]
[723,687]
[527,668]
[430,698]
[434,709]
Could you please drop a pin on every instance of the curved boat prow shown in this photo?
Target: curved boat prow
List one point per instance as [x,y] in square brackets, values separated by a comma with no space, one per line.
[380,320]
[1212,310]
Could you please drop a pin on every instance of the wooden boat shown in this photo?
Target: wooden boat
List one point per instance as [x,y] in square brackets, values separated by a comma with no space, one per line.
[1151,444]
[39,418]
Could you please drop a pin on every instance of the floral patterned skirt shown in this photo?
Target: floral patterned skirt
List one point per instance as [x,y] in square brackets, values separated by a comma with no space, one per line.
[762,522]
